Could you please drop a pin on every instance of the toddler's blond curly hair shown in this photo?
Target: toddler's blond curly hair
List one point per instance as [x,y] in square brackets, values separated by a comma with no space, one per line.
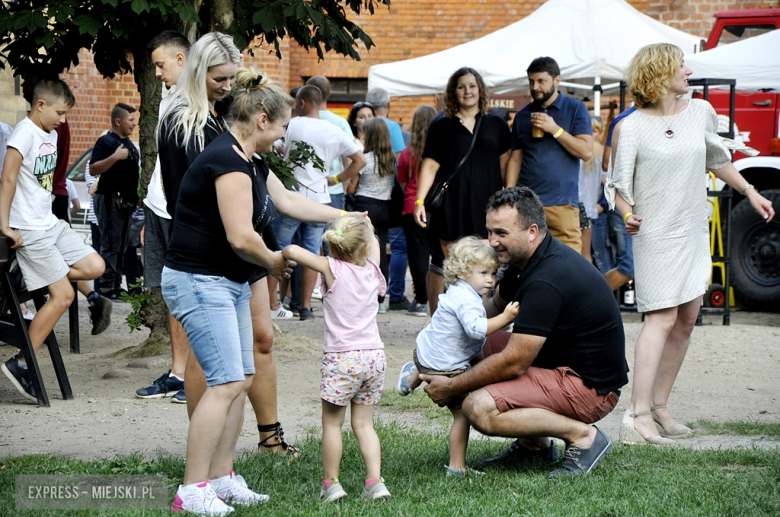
[464,255]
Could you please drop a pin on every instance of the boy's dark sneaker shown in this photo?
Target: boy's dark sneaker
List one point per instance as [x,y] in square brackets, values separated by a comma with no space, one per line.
[165,386]
[306,314]
[400,305]
[100,314]
[579,461]
[519,453]
[20,378]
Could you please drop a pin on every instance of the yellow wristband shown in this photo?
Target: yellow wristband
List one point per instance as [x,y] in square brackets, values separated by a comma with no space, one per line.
[625,217]
[343,213]
[419,201]
[335,180]
[558,133]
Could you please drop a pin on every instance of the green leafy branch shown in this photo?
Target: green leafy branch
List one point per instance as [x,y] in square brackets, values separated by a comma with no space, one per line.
[138,302]
[299,156]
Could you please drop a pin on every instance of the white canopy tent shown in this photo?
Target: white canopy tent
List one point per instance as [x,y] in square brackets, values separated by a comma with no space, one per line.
[590,39]
[754,62]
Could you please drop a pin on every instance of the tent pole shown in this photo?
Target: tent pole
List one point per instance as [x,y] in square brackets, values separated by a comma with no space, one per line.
[597,96]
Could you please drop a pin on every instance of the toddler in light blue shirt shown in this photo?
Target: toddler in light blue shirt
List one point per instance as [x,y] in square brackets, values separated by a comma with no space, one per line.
[457,332]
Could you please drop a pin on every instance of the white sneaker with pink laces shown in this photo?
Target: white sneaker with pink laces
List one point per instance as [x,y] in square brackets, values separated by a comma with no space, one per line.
[234,490]
[199,499]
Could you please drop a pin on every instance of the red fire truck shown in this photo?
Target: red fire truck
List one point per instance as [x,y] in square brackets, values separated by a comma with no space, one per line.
[755,246]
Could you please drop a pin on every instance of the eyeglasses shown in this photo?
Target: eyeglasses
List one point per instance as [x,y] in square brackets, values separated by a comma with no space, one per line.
[359,105]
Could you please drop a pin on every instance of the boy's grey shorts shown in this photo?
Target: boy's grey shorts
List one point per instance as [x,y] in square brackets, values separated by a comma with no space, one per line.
[46,255]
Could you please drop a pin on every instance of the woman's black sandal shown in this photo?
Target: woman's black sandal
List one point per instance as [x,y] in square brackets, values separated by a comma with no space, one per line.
[276,428]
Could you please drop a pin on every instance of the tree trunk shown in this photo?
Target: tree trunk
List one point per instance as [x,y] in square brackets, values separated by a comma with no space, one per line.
[222,13]
[155,315]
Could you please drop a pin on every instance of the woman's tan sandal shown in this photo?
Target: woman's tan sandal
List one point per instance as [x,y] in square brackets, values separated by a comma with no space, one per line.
[276,428]
[676,431]
[629,435]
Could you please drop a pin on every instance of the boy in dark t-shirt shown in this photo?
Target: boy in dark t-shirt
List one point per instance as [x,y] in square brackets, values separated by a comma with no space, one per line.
[115,161]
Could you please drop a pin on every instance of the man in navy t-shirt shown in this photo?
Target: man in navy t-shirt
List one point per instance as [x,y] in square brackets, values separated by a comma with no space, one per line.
[549,164]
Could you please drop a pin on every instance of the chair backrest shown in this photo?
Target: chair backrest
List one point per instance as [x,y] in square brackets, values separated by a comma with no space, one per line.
[6,254]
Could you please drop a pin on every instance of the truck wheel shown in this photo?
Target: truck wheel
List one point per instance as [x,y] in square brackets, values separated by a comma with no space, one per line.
[755,256]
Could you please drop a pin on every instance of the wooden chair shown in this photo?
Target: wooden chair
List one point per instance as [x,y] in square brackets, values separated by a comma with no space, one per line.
[13,327]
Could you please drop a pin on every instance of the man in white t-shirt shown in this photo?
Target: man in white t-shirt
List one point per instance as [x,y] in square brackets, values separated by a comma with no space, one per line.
[49,252]
[337,167]
[328,142]
[169,54]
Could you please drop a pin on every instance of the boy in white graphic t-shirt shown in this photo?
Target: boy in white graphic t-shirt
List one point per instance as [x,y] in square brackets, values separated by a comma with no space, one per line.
[49,252]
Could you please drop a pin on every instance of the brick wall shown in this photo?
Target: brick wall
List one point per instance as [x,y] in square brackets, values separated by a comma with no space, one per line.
[696,16]
[95,97]
[266,61]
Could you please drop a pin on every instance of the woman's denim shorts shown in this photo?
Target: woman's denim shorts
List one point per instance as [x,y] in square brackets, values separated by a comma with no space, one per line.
[214,312]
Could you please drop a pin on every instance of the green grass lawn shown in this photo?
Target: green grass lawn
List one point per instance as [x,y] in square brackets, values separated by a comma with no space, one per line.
[631,481]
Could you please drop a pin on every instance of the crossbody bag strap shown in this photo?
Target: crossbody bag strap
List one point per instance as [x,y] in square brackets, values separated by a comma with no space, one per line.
[465,157]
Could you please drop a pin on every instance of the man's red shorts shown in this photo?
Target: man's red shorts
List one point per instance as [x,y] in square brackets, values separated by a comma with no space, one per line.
[560,391]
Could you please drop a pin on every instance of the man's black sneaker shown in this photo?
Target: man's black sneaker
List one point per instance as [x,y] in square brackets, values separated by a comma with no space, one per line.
[20,378]
[579,461]
[165,386]
[519,453]
[306,314]
[100,314]
[401,305]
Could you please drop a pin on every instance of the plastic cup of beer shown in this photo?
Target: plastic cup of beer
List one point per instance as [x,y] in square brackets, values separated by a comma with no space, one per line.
[536,132]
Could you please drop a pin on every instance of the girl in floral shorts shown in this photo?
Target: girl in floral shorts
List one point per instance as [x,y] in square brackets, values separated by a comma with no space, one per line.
[353,368]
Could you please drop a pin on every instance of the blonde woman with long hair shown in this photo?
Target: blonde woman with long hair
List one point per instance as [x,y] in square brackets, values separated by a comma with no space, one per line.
[662,152]
[195,115]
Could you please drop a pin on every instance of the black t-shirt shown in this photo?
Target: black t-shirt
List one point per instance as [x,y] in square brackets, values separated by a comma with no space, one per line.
[566,300]
[198,240]
[463,209]
[176,158]
[122,177]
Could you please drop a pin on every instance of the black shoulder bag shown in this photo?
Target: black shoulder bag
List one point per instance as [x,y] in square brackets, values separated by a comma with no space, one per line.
[435,195]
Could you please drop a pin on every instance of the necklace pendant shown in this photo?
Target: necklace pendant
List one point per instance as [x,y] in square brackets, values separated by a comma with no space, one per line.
[669,133]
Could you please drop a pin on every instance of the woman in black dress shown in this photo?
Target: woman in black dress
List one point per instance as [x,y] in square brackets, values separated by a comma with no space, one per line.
[462,211]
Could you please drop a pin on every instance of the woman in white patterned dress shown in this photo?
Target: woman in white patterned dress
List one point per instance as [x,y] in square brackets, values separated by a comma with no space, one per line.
[658,185]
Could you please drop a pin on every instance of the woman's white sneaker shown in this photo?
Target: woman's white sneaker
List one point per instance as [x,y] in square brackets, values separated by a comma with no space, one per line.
[281,313]
[234,490]
[199,499]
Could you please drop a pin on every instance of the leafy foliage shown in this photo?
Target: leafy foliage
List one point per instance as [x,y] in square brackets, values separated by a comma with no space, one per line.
[321,25]
[138,302]
[299,156]
[42,37]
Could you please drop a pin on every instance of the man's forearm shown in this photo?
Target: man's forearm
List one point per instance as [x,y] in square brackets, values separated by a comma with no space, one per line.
[494,369]
[578,147]
[513,168]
